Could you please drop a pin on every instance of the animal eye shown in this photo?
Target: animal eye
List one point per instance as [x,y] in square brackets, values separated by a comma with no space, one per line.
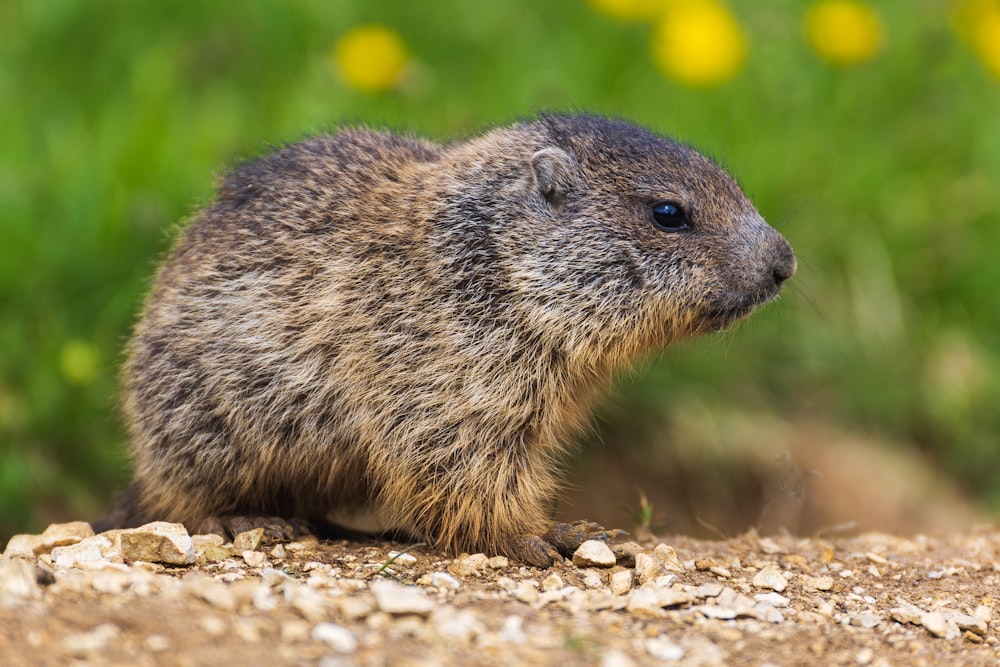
[669,216]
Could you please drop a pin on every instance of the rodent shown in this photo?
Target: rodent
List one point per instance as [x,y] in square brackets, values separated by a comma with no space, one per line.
[371,320]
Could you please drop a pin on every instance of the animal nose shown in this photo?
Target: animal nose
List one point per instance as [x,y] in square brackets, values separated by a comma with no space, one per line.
[784,265]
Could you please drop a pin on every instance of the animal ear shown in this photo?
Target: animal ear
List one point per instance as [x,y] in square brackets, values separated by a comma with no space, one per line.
[555,172]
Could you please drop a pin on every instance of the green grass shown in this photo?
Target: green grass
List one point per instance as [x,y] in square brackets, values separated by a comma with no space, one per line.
[117,116]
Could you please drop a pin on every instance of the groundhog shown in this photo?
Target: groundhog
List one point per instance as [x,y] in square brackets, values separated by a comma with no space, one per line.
[369,321]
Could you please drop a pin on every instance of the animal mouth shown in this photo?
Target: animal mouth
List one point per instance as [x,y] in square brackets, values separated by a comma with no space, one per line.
[719,316]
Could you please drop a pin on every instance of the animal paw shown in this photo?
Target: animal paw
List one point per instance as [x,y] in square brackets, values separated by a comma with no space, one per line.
[567,537]
[276,529]
[533,550]
[562,539]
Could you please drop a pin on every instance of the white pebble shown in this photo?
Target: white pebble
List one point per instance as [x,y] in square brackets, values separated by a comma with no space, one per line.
[337,637]
[394,598]
[593,553]
[770,578]
[664,649]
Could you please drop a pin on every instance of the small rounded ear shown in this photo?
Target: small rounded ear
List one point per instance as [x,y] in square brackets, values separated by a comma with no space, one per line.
[555,172]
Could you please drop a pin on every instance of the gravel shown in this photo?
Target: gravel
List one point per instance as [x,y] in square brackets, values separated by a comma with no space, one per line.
[158,594]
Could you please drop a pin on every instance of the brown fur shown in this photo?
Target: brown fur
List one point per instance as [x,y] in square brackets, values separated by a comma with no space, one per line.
[366,320]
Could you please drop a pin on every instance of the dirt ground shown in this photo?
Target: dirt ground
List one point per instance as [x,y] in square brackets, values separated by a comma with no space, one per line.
[872,599]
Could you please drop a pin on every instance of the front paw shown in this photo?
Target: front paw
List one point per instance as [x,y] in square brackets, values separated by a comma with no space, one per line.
[562,539]
[567,537]
[532,550]
[276,529]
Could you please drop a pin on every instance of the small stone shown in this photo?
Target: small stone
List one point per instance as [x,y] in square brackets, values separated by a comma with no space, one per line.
[254,558]
[157,643]
[769,546]
[972,637]
[18,580]
[56,535]
[621,581]
[645,602]
[248,540]
[646,567]
[214,593]
[396,599]
[402,558]
[444,581]
[553,582]
[721,572]
[356,608]
[615,658]
[906,613]
[984,613]
[157,542]
[212,554]
[498,563]
[512,631]
[310,603]
[708,590]
[22,546]
[461,625]
[594,553]
[773,599]
[278,552]
[247,629]
[767,613]
[770,578]
[468,566]
[939,626]
[337,637]
[865,620]
[704,564]
[199,542]
[92,552]
[667,558]
[110,581]
[673,597]
[273,577]
[823,583]
[212,625]
[661,648]
[527,592]
[864,656]
[81,643]
[717,612]
[591,579]
[967,622]
[295,631]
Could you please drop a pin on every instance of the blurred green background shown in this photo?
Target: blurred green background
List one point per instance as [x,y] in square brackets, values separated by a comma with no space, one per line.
[117,116]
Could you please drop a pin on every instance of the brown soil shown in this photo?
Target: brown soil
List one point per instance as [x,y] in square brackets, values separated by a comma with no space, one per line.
[873,599]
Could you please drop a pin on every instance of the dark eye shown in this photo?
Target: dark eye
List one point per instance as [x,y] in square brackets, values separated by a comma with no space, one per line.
[669,216]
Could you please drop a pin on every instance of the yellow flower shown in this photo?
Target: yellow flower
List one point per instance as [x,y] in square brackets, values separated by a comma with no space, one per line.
[978,23]
[629,10]
[78,362]
[370,58]
[698,43]
[844,32]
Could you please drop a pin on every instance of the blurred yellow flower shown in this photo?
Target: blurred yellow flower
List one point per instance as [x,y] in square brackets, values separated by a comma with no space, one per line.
[78,362]
[371,58]
[698,43]
[844,32]
[629,10]
[978,23]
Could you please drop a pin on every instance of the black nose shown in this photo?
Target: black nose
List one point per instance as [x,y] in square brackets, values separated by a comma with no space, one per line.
[784,266]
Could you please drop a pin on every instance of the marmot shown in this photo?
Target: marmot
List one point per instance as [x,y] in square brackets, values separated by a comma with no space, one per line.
[369,320]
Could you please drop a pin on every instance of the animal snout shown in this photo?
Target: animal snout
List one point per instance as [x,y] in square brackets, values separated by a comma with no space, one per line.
[783,264]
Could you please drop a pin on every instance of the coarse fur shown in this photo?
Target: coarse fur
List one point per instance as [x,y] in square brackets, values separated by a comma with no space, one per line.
[373,321]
